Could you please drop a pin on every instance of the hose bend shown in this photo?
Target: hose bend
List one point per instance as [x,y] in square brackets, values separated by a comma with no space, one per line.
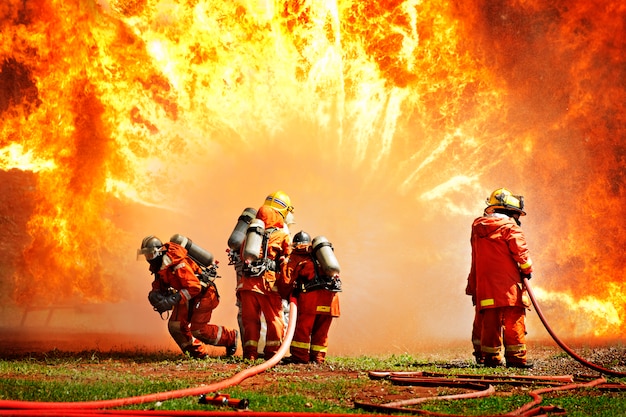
[162,396]
[561,344]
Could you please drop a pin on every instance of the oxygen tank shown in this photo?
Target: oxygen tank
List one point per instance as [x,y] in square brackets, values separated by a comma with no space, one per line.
[195,252]
[325,255]
[239,233]
[254,240]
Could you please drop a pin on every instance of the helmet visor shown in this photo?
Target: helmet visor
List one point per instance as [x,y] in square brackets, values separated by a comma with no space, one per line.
[150,253]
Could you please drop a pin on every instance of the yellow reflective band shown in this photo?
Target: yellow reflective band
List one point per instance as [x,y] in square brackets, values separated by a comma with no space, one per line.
[319,348]
[487,349]
[487,302]
[515,348]
[251,343]
[300,345]
[323,309]
[526,265]
[273,343]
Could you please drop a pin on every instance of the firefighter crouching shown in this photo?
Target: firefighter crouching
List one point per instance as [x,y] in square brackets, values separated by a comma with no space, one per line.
[188,290]
[265,247]
[316,289]
[500,261]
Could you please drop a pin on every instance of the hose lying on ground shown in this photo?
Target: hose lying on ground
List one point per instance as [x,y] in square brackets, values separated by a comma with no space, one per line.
[562,345]
[162,396]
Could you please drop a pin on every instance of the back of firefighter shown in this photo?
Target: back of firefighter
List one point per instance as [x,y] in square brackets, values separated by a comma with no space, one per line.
[177,287]
[281,203]
[500,261]
[258,293]
[317,299]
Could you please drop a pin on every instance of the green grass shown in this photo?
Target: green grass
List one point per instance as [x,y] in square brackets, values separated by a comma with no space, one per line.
[331,388]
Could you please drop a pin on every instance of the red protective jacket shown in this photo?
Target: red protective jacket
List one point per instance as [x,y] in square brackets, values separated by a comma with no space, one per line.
[499,254]
[178,271]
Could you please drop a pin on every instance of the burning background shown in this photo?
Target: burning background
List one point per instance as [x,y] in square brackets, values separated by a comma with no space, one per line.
[387,122]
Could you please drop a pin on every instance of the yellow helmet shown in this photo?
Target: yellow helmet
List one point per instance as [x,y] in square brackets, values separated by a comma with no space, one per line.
[280,202]
[504,199]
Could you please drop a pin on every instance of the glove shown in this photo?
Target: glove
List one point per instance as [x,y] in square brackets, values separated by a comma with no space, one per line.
[155,298]
[167,302]
[527,276]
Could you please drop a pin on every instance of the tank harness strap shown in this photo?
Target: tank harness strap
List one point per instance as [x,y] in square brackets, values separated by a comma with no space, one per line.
[320,282]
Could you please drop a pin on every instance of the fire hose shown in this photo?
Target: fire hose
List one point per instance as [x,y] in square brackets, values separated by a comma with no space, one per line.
[163,396]
[89,408]
[562,345]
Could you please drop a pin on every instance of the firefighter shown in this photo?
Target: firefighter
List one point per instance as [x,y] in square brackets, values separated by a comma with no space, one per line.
[187,289]
[281,203]
[500,261]
[257,291]
[318,302]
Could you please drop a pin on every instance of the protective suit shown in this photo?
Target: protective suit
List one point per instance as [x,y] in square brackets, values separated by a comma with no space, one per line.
[318,304]
[189,323]
[259,294]
[499,257]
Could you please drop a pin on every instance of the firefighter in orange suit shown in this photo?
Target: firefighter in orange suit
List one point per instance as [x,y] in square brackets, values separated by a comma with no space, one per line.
[500,260]
[179,285]
[318,302]
[257,290]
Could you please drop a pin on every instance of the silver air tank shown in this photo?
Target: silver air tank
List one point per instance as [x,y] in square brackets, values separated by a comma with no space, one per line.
[199,255]
[254,240]
[239,232]
[325,255]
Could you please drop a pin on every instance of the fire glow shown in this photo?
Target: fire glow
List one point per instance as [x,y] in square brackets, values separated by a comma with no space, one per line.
[435,103]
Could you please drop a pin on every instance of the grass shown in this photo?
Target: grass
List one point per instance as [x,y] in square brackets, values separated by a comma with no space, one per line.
[330,388]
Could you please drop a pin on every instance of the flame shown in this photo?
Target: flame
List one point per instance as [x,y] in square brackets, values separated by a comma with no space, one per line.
[598,317]
[435,102]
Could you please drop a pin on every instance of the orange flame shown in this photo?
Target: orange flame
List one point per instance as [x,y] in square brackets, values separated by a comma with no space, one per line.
[436,103]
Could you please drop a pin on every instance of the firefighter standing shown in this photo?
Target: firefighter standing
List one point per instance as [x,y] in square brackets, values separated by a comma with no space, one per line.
[274,200]
[500,260]
[318,302]
[178,286]
[257,290]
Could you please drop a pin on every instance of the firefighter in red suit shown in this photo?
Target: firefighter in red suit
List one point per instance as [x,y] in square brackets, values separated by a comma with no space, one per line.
[178,286]
[317,299]
[257,290]
[500,261]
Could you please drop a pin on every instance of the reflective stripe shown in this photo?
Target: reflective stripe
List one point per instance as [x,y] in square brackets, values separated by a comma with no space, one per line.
[487,302]
[186,294]
[515,348]
[487,349]
[323,309]
[318,348]
[251,343]
[526,265]
[301,345]
[272,343]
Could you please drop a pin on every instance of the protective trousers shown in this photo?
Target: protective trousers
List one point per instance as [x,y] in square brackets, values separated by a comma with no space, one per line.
[476,332]
[190,326]
[254,303]
[310,340]
[510,323]
[202,329]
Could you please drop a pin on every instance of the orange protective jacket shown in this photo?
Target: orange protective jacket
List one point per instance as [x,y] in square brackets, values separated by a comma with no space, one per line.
[499,254]
[179,272]
[278,248]
[301,268]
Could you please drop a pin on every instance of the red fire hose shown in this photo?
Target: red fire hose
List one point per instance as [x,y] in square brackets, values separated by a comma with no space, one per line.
[562,345]
[162,396]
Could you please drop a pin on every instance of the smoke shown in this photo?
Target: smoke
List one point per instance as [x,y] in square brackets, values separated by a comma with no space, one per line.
[387,124]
